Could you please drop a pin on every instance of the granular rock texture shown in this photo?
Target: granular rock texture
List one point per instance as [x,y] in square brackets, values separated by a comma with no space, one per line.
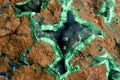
[15,1]
[42,54]
[5,8]
[51,14]
[4,66]
[15,36]
[27,73]
[2,78]
[9,25]
[98,20]
[93,73]
[81,60]
[88,6]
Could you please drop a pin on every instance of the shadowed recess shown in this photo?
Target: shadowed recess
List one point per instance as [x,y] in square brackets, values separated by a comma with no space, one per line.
[71,33]
[60,67]
[4,74]
[32,6]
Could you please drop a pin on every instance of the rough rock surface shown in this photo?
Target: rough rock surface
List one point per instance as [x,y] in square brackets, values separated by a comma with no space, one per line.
[51,14]
[88,6]
[42,54]
[4,66]
[93,73]
[18,38]
[2,78]
[27,73]
[15,1]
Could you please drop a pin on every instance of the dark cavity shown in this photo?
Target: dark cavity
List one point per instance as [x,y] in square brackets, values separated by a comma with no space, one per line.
[32,6]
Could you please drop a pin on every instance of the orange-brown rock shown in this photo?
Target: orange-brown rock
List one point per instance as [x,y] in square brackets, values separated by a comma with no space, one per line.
[88,6]
[27,73]
[42,54]
[3,42]
[46,76]
[118,1]
[87,10]
[8,25]
[83,61]
[98,21]
[4,66]
[95,48]
[5,7]
[93,73]
[15,1]
[50,14]
[2,78]
[18,40]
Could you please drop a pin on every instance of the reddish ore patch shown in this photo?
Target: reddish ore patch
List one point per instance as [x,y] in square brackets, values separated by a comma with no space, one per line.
[88,6]
[42,54]
[4,66]
[15,1]
[93,73]
[51,14]
[5,8]
[82,61]
[27,73]
[97,20]
[18,37]
[2,78]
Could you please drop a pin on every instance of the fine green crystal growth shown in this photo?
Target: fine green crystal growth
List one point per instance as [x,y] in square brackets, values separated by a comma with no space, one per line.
[107,11]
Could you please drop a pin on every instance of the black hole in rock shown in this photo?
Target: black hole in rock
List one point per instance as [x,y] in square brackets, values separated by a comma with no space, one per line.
[2,73]
[32,6]
[65,34]
[2,55]
[71,33]
[78,9]
[61,67]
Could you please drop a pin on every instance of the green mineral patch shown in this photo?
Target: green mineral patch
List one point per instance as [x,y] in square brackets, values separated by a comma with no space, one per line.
[107,11]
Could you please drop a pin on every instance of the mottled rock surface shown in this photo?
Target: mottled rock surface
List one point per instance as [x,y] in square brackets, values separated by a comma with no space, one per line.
[18,38]
[42,54]
[27,73]
[93,73]
[51,14]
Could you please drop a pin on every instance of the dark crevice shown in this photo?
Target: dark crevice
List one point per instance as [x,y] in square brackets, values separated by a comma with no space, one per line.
[61,67]
[66,37]
[71,33]
[32,6]
[2,73]
[5,74]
